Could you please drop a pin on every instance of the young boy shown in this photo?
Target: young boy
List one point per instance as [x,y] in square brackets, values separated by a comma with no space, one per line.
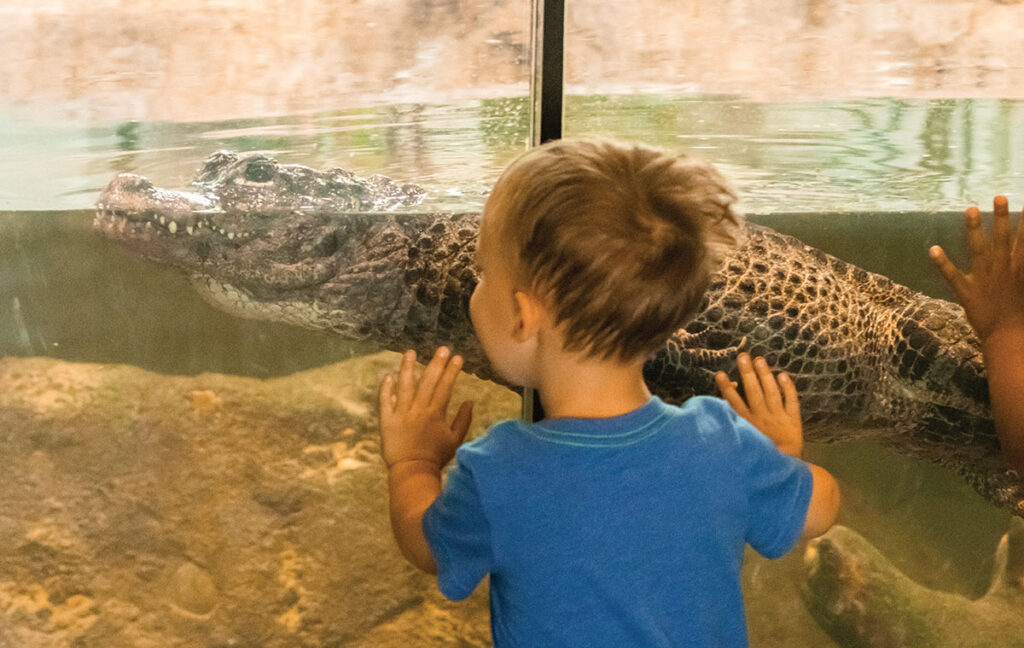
[992,295]
[618,520]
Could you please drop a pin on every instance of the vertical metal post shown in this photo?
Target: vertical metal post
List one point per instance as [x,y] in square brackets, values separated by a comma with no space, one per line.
[548,40]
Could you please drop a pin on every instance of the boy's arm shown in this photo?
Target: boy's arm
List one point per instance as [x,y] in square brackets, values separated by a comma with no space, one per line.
[992,296]
[416,443]
[412,488]
[777,415]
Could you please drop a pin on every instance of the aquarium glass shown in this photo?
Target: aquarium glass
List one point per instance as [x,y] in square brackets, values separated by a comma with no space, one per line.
[864,127]
[173,475]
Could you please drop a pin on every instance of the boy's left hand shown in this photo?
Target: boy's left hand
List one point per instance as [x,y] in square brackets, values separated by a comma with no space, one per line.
[775,413]
[414,413]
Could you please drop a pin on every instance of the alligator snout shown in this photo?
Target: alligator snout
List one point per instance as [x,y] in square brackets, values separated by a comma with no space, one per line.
[130,193]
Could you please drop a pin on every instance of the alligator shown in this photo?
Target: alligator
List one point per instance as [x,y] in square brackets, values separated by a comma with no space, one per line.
[863,601]
[329,250]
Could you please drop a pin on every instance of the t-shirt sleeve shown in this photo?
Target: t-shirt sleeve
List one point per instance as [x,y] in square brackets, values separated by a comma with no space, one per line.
[459,536]
[778,489]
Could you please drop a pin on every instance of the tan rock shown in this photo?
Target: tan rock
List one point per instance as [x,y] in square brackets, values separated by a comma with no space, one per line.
[146,510]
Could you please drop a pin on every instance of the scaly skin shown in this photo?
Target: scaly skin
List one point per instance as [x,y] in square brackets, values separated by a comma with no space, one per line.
[863,601]
[871,358]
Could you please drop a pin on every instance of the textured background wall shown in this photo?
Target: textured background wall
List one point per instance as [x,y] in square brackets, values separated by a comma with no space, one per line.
[214,59]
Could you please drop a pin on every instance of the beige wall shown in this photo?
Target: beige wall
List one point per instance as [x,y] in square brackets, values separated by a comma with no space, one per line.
[804,49]
[215,59]
[210,60]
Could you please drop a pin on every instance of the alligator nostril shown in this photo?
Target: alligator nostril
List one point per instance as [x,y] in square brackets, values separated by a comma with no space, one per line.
[132,182]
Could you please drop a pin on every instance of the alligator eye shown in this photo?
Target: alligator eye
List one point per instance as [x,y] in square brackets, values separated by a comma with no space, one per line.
[259,171]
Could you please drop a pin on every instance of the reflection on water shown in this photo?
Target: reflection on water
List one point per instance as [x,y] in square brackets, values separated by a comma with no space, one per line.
[454,150]
[865,155]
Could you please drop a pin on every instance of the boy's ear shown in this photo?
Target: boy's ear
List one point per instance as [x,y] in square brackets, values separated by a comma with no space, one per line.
[529,313]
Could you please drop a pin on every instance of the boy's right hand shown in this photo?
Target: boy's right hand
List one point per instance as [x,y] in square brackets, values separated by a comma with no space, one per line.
[775,413]
[414,424]
[992,293]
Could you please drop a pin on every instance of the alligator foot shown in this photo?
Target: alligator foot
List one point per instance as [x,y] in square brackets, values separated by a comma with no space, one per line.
[863,601]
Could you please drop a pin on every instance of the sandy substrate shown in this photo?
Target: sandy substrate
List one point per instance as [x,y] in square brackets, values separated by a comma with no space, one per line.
[148,510]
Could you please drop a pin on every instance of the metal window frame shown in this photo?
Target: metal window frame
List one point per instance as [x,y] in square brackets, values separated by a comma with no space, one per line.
[546,108]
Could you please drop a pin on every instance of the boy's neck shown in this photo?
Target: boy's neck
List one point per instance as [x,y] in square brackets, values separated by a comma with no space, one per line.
[575,387]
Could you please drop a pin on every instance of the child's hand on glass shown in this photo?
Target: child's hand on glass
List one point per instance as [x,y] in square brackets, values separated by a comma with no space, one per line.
[414,412]
[992,293]
[771,406]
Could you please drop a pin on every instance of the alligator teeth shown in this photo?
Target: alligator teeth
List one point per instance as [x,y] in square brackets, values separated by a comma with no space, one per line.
[163,221]
[231,235]
[172,228]
[188,230]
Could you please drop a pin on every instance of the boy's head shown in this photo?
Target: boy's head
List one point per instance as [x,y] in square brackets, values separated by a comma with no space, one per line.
[616,240]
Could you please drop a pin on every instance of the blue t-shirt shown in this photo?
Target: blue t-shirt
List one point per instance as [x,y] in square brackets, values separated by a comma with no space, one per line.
[624,531]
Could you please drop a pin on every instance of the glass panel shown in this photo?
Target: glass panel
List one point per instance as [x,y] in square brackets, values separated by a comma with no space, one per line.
[864,128]
[173,473]
[812,105]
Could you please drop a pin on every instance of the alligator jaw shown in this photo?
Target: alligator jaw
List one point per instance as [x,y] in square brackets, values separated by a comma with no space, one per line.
[130,204]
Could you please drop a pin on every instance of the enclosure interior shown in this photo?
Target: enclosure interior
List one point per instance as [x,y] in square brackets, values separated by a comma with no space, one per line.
[174,475]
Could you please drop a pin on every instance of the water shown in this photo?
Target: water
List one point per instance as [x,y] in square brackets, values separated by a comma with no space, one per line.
[873,181]
[839,175]
[838,156]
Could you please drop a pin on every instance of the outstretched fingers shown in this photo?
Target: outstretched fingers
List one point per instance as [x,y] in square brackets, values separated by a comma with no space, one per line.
[976,244]
[1002,235]
[431,378]
[751,384]
[955,279]
[406,381]
[446,383]
[727,389]
[789,395]
[769,388]
[386,395]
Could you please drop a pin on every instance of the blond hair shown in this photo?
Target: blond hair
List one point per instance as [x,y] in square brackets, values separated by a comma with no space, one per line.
[618,239]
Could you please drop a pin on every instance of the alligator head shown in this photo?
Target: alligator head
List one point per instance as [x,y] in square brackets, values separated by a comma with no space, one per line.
[266,240]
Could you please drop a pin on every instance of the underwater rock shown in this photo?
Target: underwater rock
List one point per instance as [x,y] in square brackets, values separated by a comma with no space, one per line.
[147,510]
[140,510]
[863,601]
